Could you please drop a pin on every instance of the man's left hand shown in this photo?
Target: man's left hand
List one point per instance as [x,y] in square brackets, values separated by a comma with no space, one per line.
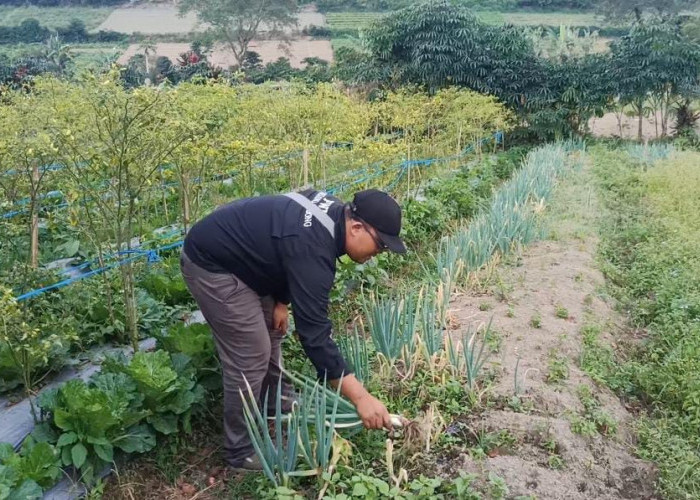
[280,317]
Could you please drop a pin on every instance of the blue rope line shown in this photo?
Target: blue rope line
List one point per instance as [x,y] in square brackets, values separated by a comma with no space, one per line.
[153,255]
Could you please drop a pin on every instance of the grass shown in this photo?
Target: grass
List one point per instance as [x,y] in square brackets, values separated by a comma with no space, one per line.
[558,368]
[561,312]
[351,20]
[53,17]
[540,18]
[85,56]
[650,242]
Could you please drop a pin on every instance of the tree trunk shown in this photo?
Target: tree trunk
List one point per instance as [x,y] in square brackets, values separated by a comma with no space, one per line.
[641,119]
[165,194]
[305,159]
[185,206]
[127,272]
[34,246]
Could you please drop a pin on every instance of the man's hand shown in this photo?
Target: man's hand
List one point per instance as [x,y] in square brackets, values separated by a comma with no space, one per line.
[373,413]
[280,317]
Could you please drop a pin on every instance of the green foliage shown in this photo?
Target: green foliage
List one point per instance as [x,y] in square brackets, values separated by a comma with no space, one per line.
[355,350]
[12,487]
[469,356]
[558,368]
[36,463]
[236,22]
[93,419]
[649,244]
[196,342]
[656,60]
[118,410]
[26,352]
[164,282]
[167,384]
[439,43]
[593,420]
[561,312]
[422,220]
[31,31]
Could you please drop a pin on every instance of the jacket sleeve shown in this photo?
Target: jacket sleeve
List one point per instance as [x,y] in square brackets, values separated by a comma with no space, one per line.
[310,279]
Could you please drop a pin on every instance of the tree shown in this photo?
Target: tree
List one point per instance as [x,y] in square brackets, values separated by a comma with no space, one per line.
[112,143]
[27,149]
[238,22]
[625,9]
[655,64]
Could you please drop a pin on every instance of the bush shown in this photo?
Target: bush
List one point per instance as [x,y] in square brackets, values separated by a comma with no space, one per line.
[317,31]
[422,220]
[31,31]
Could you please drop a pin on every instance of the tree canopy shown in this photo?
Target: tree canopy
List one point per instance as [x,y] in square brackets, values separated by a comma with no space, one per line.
[238,22]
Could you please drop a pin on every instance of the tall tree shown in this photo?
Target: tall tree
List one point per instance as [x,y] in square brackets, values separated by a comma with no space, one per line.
[439,43]
[655,65]
[238,22]
[627,9]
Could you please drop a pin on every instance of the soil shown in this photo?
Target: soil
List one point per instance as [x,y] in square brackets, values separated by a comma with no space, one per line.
[608,126]
[558,273]
[149,18]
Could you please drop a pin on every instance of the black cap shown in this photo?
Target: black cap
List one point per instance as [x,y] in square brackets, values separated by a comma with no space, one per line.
[380,211]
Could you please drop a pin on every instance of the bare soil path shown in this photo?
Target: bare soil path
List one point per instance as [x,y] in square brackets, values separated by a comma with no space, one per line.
[539,304]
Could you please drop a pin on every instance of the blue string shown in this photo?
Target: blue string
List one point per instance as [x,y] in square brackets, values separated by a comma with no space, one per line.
[153,255]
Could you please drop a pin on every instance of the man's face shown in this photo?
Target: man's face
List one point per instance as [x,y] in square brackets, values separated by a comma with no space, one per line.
[361,241]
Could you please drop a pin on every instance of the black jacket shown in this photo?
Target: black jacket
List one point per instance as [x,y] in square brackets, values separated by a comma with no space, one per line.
[277,249]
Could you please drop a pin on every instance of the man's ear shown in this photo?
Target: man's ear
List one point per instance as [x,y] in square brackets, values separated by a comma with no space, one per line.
[355,226]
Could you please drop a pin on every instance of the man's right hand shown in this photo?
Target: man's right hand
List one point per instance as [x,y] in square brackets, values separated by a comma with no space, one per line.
[373,413]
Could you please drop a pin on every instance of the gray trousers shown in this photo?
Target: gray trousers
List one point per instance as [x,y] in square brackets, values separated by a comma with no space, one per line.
[248,346]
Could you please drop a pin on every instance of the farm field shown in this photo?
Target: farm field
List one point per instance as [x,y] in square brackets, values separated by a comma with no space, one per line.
[539,425]
[538,340]
[53,17]
[164,19]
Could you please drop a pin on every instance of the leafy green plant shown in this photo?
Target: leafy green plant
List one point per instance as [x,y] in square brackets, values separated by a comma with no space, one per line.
[497,486]
[561,312]
[24,350]
[165,283]
[167,384]
[557,368]
[12,486]
[431,321]
[88,422]
[196,342]
[309,431]
[422,220]
[536,321]
[27,473]
[593,419]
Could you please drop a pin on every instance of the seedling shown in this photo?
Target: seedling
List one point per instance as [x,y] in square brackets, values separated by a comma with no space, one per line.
[561,312]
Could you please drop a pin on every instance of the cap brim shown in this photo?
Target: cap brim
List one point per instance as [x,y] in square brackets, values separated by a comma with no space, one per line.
[393,242]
